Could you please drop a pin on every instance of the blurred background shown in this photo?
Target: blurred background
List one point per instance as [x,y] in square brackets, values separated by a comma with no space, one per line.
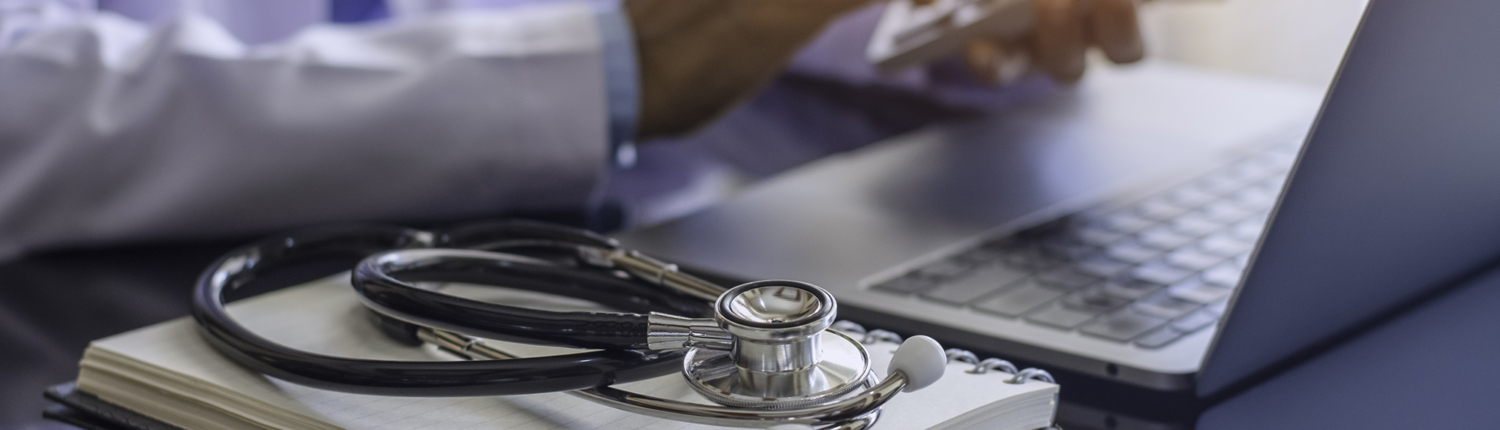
[1293,40]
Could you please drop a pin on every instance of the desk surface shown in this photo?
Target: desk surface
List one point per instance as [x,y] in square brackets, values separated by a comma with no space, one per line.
[1431,367]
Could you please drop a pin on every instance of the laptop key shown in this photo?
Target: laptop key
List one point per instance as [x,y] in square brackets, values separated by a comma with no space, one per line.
[1217,184]
[1161,273]
[1194,321]
[1159,338]
[1278,158]
[978,255]
[1218,308]
[1030,258]
[1192,259]
[1159,209]
[1247,171]
[1240,261]
[1164,238]
[1196,225]
[1103,266]
[1224,275]
[1165,306]
[1248,230]
[905,285]
[1059,316]
[1125,222]
[1224,211]
[1195,290]
[1122,326]
[1224,245]
[1067,250]
[1131,252]
[999,273]
[1131,290]
[1093,301]
[943,269]
[1256,198]
[961,293]
[1025,296]
[1094,235]
[976,284]
[1190,196]
[1066,279]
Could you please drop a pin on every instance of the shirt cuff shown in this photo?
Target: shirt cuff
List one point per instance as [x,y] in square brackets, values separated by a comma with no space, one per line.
[621,80]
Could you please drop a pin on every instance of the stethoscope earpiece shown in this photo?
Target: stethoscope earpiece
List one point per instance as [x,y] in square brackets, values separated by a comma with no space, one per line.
[921,359]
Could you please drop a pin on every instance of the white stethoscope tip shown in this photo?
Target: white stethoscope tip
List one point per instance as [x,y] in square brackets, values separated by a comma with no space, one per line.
[922,360]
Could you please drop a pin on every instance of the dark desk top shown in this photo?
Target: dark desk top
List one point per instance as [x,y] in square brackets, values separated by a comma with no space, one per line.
[1432,367]
[53,304]
[1435,367]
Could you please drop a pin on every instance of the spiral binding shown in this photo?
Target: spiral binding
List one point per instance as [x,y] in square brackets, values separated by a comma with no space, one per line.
[954,354]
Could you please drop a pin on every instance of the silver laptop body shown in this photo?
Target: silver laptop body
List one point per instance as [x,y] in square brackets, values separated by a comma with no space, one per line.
[1122,230]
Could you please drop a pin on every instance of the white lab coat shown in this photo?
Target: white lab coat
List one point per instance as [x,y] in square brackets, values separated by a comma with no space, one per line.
[196,118]
[112,129]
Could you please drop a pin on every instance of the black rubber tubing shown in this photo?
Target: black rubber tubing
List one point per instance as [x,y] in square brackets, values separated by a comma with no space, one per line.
[394,378]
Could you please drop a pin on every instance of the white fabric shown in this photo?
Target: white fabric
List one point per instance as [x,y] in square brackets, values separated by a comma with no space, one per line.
[111,129]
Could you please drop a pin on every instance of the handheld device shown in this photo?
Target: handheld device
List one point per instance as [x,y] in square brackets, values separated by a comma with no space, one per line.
[909,34]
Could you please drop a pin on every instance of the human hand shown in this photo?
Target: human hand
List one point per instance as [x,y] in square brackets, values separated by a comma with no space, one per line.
[1062,32]
[698,58]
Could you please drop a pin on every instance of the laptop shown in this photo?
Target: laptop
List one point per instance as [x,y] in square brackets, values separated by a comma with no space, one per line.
[1159,226]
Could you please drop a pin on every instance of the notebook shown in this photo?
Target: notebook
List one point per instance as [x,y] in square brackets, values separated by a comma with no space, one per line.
[167,372]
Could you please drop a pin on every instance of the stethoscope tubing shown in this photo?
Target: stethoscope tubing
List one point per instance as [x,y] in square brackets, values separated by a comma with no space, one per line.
[376,281]
[389,283]
[393,378]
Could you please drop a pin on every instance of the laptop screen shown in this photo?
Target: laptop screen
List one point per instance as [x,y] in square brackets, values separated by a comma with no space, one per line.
[1397,191]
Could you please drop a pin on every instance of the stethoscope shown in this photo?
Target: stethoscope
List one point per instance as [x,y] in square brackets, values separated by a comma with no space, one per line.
[761,352]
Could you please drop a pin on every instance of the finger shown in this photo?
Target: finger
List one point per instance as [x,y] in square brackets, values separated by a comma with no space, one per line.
[923,2]
[996,62]
[1116,30]
[1059,39]
[1014,64]
[983,58]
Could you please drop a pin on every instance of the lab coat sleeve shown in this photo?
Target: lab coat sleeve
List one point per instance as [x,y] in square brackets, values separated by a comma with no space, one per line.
[111,130]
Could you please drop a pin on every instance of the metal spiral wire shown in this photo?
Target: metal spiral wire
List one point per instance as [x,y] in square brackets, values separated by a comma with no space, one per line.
[994,364]
[954,354]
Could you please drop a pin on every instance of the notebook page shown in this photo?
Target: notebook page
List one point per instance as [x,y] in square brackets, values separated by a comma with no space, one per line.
[326,317]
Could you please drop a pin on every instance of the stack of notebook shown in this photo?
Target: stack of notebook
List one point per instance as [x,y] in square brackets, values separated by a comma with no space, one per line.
[168,373]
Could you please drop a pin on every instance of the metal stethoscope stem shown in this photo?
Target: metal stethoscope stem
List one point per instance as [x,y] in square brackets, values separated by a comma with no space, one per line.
[853,413]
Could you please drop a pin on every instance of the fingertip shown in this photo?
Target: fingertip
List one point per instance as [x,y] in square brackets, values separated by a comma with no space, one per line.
[983,57]
[1116,30]
[1070,77]
[1060,39]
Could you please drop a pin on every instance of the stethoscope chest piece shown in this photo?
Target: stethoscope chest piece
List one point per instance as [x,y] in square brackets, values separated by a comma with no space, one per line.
[782,355]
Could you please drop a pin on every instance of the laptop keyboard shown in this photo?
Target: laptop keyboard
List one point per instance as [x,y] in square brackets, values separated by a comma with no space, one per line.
[1148,273]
